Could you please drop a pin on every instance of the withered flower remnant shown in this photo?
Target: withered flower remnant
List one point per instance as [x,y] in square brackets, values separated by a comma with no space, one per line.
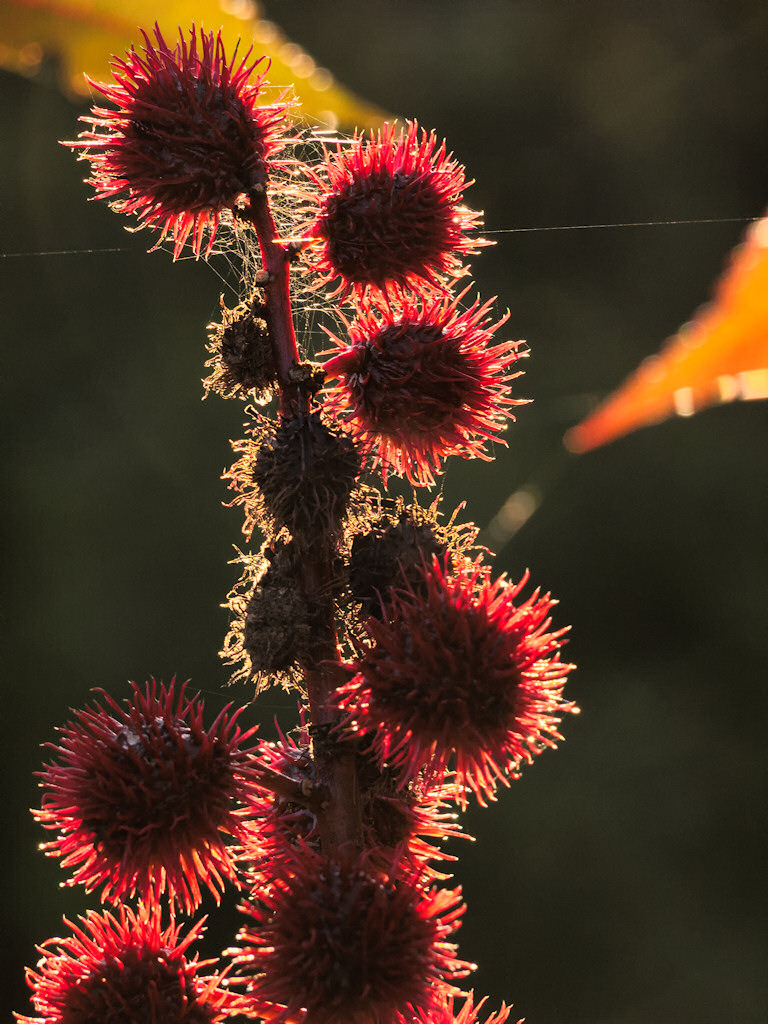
[279,621]
[299,475]
[386,555]
[242,361]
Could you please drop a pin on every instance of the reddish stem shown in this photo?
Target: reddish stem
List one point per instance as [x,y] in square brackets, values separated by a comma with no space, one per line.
[338,818]
[303,793]
[275,260]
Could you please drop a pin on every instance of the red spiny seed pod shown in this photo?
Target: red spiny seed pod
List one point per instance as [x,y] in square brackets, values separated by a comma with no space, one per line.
[446,1012]
[423,380]
[277,819]
[143,795]
[399,825]
[404,825]
[390,214]
[332,942]
[462,673]
[187,137]
[126,967]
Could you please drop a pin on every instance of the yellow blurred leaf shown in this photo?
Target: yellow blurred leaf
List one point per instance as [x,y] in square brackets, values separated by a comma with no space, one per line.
[720,356]
[81,35]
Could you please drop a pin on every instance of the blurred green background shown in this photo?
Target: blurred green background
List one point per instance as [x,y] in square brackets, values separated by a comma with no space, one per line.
[621,881]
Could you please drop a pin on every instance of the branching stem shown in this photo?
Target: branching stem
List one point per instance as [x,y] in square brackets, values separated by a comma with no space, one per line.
[302,793]
[275,262]
[339,816]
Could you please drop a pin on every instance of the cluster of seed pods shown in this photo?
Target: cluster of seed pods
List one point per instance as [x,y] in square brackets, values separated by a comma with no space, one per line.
[422,682]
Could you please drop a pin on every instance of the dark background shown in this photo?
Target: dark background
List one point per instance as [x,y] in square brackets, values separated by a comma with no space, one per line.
[621,880]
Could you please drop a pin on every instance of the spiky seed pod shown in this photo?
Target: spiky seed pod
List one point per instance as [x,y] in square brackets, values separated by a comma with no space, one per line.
[242,363]
[305,474]
[446,1012]
[399,825]
[279,622]
[187,137]
[403,824]
[127,968]
[461,674]
[272,626]
[423,380]
[386,555]
[276,822]
[331,942]
[142,796]
[390,214]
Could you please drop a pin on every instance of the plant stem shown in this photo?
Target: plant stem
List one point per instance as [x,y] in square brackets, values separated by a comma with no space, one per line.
[275,261]
[339,817]
[287,788]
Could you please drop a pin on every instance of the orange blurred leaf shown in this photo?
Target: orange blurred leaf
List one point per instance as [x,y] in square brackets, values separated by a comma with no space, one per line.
[81,36]
[720,356]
